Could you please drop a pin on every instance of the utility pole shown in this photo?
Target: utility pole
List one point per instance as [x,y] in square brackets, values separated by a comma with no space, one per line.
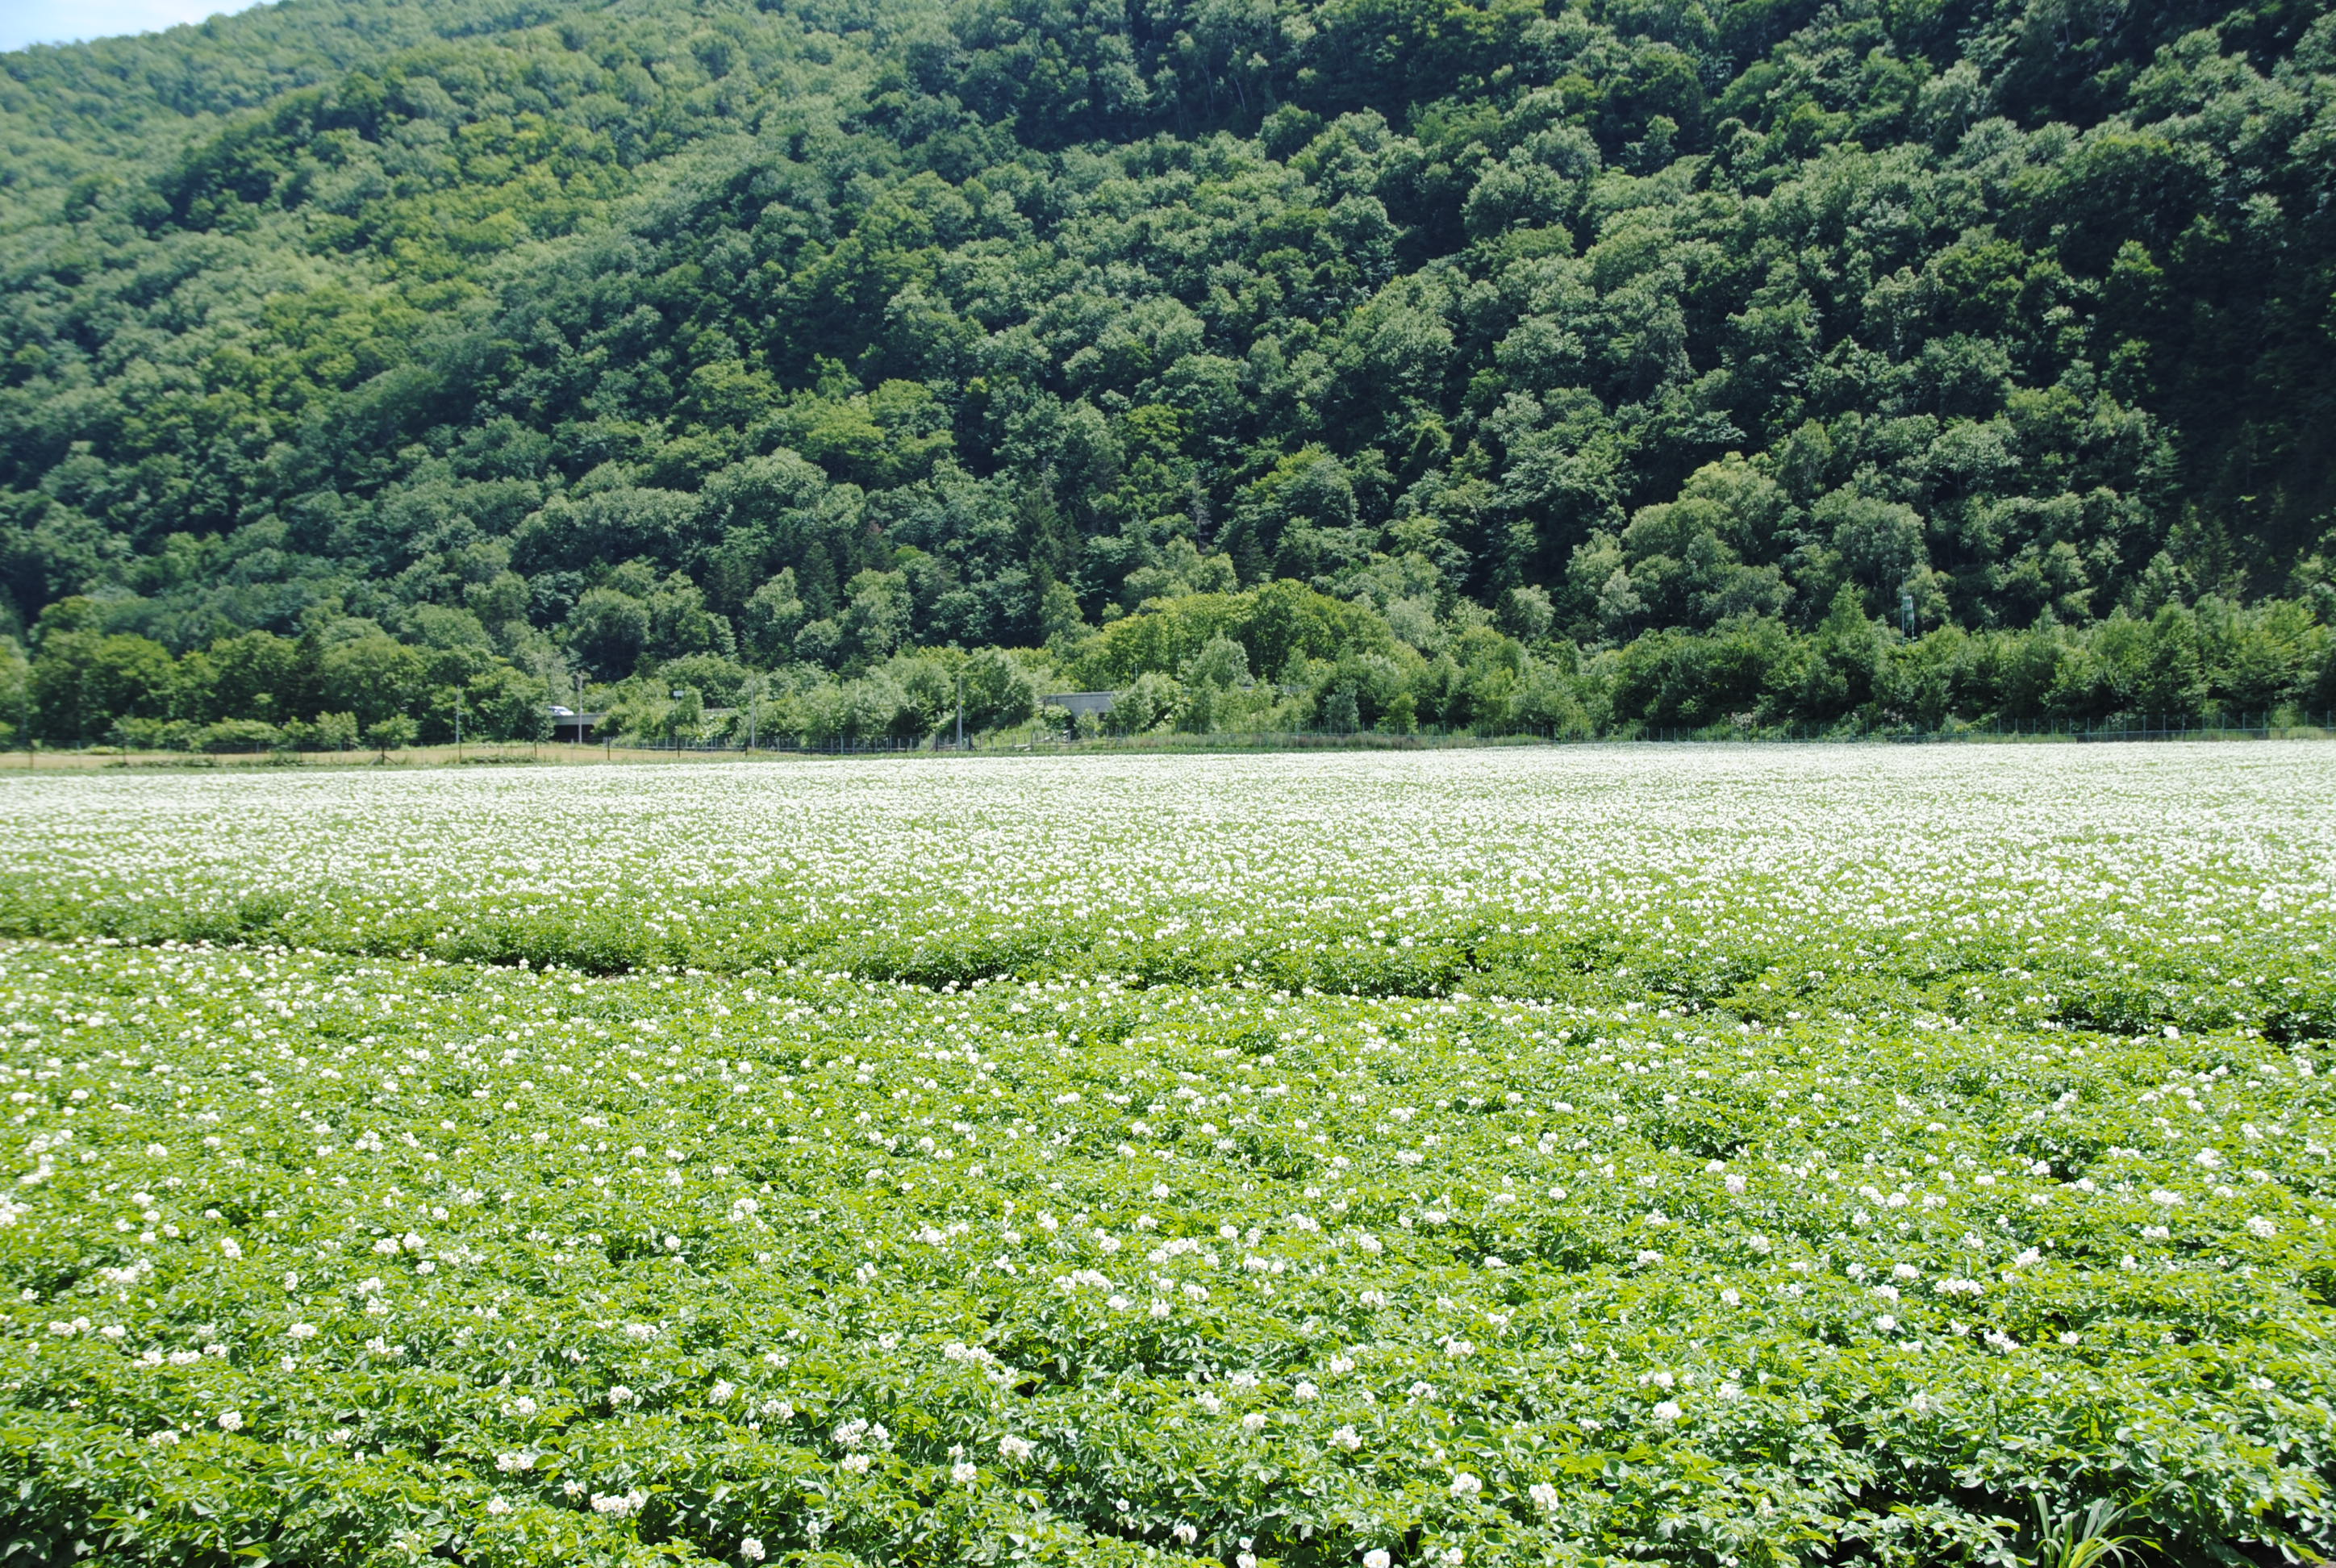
[754,701]
[1907,612]
[960,708]
[458,724]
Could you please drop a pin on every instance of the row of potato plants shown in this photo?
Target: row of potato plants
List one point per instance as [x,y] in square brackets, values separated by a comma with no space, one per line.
[320,1256]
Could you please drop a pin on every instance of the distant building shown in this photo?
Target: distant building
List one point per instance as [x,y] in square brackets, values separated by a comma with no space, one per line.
[580,727]
[1078,702]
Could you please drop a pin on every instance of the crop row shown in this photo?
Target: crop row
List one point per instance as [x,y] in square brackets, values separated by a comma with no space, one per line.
[318,1257]
[2191,887]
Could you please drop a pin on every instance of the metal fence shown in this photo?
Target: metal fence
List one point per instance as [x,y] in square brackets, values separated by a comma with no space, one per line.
[1431,738]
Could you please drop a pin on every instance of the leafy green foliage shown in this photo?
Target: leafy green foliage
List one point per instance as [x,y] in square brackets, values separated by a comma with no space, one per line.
[808,334]
[1763,1182]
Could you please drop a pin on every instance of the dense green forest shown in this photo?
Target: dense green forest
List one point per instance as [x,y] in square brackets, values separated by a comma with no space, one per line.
[1395,363]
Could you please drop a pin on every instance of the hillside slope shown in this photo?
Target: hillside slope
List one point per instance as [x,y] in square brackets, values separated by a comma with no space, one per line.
[589,336]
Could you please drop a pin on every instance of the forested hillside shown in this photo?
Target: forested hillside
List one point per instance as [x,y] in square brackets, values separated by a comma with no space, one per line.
[1564,362]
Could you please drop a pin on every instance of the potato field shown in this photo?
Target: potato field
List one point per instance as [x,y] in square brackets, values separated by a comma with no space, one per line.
[1727,1157]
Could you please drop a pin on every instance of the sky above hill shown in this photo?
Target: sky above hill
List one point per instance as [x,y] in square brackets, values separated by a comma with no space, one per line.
[29,22]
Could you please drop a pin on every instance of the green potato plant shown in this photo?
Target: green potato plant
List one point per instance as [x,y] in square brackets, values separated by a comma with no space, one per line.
[1714,1212]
